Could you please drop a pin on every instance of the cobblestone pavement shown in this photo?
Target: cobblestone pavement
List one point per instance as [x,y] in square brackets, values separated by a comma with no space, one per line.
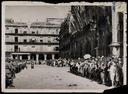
[47,77]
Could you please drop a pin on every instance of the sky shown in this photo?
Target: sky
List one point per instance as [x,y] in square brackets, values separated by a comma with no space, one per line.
[35,13]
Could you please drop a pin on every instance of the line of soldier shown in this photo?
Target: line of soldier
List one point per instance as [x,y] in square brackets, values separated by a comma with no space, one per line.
[11,68]
[58,62]
[104,70]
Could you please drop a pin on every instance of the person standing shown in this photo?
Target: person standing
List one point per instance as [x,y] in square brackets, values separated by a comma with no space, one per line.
[25,64]
[71,65]
[103,66]
[77,67]
[32,65]
[112,71]
[120,71]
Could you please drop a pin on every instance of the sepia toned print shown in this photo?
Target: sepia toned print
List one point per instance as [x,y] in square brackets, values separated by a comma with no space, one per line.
[74,47]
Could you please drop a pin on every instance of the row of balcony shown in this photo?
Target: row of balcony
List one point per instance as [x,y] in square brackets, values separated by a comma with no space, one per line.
[31,52]
[31,43]
[28,34]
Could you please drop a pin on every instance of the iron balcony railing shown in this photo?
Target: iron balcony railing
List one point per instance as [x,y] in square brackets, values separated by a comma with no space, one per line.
[28,34]
[35,43]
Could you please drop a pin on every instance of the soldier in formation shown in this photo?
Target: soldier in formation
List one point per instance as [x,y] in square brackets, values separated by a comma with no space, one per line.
[104,70]
[11,68]
[10,73]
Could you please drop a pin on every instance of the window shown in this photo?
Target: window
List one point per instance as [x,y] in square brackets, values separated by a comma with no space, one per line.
[16,30]
[41,40]
[16,39]
[16,48]
[19,49]
[25,40]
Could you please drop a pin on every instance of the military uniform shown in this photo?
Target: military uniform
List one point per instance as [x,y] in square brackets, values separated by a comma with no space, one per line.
[9,74]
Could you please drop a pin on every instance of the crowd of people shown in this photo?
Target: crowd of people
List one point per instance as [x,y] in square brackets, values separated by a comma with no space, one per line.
[58,62]
[11,68]
[104,70]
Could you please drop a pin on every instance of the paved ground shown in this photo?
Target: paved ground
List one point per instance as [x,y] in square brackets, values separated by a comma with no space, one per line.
[47,77]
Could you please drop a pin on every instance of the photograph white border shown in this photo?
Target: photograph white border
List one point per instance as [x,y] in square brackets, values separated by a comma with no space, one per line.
[29,3]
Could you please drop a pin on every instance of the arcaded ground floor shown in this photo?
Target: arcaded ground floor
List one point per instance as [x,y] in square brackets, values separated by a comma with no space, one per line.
[33,56]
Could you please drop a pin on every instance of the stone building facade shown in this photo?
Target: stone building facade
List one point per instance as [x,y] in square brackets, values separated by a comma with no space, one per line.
[37,41]
[95,30]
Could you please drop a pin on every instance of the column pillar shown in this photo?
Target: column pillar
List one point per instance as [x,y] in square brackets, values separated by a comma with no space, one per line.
[115,46]
[125,47]
[37,58]
[16,56]
[20,57]
[53,56]
[28,57]
[45,57]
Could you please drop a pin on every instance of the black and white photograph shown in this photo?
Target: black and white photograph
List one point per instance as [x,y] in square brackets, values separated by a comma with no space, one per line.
[65,47]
